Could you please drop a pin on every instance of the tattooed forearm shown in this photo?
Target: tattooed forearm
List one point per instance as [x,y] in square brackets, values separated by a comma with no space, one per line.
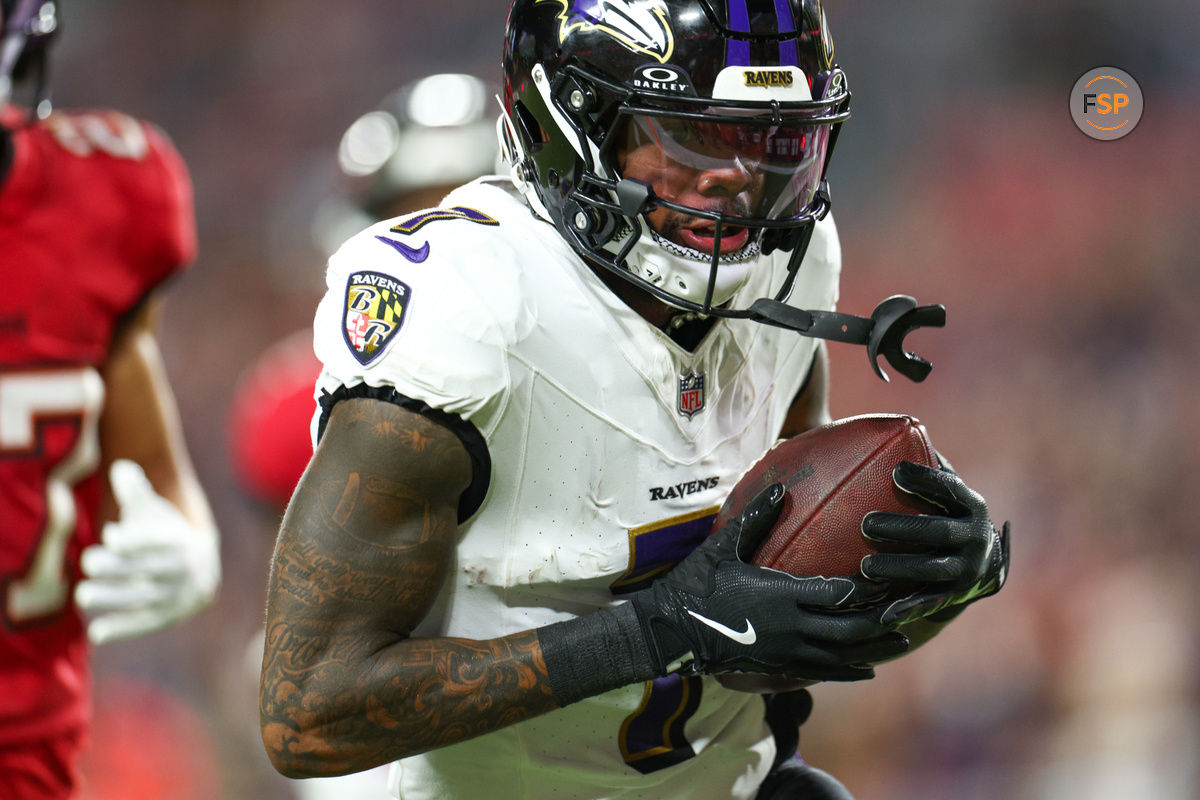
[362,709]
[362,554]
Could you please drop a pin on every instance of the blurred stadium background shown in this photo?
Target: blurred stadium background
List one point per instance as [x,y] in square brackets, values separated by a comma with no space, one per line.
[1064,388]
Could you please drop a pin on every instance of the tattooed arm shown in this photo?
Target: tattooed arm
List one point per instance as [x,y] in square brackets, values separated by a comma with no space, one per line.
[363,551]
[365,547]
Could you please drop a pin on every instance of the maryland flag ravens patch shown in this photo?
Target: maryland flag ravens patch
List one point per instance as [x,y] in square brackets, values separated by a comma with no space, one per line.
[375,308]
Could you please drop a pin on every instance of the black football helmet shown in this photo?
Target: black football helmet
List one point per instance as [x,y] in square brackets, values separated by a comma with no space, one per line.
[749,85]
[26,30]
[617,111]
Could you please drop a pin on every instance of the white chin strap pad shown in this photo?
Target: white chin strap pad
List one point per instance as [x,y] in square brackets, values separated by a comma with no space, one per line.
[685,277]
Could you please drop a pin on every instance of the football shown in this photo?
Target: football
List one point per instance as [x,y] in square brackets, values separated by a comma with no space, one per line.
[833,476]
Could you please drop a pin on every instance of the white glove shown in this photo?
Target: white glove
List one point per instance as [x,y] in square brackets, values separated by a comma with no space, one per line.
[152,568]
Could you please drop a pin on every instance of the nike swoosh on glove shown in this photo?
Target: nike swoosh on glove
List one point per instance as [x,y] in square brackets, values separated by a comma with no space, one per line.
[152,568]
[714,613]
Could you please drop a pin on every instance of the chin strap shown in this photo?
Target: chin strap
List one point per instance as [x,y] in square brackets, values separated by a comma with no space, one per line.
[883,332]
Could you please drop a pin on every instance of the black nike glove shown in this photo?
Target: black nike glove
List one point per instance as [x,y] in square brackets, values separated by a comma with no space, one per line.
[714,613]
[966,558]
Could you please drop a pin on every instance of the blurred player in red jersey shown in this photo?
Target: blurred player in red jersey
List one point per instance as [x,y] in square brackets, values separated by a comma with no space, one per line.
[425,138]
[105,532]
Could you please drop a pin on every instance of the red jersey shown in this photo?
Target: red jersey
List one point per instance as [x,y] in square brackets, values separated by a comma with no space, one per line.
[95,211]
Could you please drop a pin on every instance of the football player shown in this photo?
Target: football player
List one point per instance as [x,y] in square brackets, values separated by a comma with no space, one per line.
[497,569]
[106,533]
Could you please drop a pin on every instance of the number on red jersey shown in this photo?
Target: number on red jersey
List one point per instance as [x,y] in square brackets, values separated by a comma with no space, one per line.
[83,133]
[30,400]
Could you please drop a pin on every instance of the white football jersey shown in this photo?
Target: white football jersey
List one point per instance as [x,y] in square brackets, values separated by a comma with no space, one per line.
[611,449]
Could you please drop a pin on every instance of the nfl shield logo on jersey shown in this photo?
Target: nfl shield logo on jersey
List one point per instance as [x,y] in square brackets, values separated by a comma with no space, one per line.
[691,393]
[374,312]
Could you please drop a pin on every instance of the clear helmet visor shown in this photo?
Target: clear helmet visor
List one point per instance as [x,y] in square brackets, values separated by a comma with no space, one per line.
[718,182]
[751,171]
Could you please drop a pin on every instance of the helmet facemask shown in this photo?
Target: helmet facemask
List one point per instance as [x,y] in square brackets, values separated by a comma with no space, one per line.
[686,196]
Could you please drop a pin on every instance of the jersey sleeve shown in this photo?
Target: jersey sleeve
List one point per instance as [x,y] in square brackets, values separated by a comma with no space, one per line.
[408,313]
[140,200]
[169,209]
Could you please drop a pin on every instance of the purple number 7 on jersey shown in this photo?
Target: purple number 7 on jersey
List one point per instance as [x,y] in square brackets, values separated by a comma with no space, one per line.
[652,737]
[657,546]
